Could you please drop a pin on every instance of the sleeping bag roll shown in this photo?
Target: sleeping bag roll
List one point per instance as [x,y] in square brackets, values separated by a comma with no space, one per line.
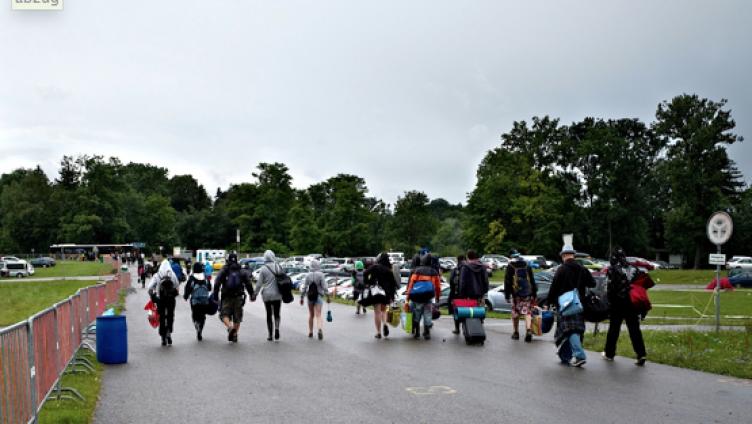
[468,312]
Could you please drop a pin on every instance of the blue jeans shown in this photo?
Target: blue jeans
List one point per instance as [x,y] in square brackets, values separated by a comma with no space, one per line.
[422,310]
[572,346]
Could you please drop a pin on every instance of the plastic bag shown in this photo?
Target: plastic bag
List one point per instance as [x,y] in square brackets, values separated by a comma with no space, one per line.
[151,314]
[406,319]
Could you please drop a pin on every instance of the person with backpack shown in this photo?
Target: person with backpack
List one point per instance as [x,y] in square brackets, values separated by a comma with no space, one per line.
[315,289]
[423,287]
[359,285]
[380,276]
[177,269]
[270,292]
[454,281]
[163,289]
[520,287]
[198,289]
[230,282]
[619,277]
[570,329]
[473,280]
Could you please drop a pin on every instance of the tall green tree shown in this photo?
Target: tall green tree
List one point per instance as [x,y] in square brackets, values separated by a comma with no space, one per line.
[413,226]
[187,194]
[702,177]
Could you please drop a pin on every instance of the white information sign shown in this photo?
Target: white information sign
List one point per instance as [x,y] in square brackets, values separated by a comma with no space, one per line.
[717,259]
[720,228]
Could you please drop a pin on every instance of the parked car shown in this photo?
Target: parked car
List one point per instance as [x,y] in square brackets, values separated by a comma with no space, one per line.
[640,263]
[495,300]
[18,269]
[536,261]
[739,263]
[740,278]
[3,270]
[500,260]
[587,263]
[43,262]
[447,265]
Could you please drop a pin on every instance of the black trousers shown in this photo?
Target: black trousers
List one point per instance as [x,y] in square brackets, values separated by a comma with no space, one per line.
[166,310]
[198,313]
[632,319]
[272,308]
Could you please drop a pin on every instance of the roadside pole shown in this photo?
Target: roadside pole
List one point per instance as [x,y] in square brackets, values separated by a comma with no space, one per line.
[720,228]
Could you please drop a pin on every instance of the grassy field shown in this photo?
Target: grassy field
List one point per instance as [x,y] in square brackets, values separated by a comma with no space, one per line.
[75,412]
[74,269]
[699,307]
[684,276]
[20,299]
[727,352]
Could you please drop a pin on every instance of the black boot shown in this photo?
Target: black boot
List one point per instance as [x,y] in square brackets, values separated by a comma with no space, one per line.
[427,333]
[416,331]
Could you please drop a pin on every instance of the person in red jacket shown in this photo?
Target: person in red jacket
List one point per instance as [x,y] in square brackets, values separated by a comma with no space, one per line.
[423,287]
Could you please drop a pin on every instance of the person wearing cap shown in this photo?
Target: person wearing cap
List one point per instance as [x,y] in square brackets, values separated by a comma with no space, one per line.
[520,287]
[198,289]
[570,330]
[359,284]
[315,289]
[230,282]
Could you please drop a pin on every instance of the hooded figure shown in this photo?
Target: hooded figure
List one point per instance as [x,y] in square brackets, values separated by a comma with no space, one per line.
[270,293]
[198,289]
[267,282]
[473,282]
[230,282]
[315,281]
[163,289]
[381,275]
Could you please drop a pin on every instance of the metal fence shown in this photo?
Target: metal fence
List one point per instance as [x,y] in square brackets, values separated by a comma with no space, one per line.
[35,353]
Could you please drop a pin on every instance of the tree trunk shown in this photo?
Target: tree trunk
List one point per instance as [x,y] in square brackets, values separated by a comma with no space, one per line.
[698,256]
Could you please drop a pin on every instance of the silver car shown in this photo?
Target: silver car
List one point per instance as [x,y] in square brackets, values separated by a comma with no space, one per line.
[495,300]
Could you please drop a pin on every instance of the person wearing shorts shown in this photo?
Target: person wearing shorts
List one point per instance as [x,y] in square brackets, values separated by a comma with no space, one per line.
[230,282]
[519,285]
[315,281]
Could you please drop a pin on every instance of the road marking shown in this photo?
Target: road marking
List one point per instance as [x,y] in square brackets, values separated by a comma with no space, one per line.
[431,390]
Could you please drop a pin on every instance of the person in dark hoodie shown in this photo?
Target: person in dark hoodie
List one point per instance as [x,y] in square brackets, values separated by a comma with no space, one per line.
[571,329]
[198,289]
[473,282]
[423,287]
[520,287]
[230,282]
[454,281]
[619,276]
[381,274]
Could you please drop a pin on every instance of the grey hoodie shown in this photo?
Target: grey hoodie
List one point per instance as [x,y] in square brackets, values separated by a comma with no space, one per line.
[165,272]
[267,283]
[315,277]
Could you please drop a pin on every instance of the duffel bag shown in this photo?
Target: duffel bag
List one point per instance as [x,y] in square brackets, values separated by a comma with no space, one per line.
[595,308]
[422,291]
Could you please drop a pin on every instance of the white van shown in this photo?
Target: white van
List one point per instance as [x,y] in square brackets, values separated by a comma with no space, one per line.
[396,257]
[17,269]
[211,255]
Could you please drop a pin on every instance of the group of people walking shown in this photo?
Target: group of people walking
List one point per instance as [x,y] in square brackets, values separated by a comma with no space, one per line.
[376,284]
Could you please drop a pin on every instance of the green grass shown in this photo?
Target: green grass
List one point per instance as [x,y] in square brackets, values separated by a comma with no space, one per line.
[20,299]
[75,412]
[726,352]
[736,303]
[684,276]
[74,269]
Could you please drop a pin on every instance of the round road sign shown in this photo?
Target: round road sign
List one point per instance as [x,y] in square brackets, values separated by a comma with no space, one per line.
[720,227]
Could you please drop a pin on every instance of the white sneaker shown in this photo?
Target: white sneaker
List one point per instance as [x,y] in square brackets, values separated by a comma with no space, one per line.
[577,362]
[607,358]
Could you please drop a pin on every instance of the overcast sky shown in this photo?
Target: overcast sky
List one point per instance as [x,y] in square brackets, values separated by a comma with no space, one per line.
[407,94]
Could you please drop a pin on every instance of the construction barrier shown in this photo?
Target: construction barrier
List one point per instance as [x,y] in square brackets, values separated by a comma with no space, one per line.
[35,353]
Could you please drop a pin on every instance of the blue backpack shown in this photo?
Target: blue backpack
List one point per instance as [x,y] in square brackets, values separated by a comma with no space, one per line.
[422,291]
[234,283]
[200,294]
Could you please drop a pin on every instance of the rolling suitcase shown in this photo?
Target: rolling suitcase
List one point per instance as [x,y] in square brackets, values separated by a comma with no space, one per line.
[473,330]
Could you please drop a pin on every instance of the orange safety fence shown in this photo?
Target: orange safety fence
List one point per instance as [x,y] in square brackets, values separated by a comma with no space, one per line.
[44,330]
[15,378]
[64,334]
[34,353]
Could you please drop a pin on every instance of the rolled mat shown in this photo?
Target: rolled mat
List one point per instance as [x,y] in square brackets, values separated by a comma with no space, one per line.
[474,312]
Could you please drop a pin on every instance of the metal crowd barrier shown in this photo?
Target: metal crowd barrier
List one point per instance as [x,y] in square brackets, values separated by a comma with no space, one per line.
[35,353]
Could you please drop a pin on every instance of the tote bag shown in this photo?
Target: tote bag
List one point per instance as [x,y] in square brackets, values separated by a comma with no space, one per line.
[569,303]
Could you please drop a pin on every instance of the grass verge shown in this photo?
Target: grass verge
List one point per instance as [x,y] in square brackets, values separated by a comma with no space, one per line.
[74,269]
[699,307]
[19,299]
[726,352]
[75,412]
[684,276]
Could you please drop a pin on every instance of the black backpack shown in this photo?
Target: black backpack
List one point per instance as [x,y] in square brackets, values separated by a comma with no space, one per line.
[284,283]
[313,292]
[166,289]
[234,282]
[618,284]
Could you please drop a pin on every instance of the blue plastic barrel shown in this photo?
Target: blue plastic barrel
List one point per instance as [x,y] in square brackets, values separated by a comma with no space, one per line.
[112,339]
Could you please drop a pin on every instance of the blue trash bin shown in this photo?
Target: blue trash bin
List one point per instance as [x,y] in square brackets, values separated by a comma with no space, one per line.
[112,339]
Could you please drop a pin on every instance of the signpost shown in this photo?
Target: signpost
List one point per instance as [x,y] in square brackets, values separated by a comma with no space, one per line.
[720,228]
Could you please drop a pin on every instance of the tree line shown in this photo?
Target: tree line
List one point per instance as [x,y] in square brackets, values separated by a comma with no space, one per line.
[645,187]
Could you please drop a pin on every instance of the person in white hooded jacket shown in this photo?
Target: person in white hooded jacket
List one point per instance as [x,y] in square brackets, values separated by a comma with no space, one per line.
[163,289]
[270,294]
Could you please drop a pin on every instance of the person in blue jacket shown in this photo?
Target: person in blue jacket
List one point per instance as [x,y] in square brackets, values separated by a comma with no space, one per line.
[208,270]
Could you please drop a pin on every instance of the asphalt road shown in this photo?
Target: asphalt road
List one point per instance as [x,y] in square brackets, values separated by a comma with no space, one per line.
[351,377]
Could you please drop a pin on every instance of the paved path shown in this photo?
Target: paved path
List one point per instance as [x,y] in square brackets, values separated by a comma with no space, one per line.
[351,377]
